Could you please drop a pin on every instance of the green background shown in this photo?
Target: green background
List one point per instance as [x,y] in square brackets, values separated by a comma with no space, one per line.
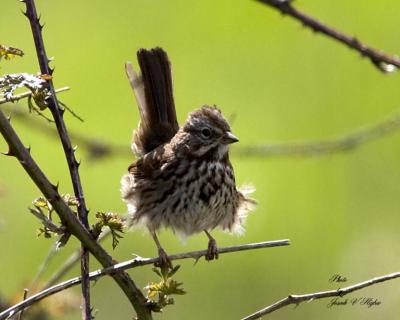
[282,83]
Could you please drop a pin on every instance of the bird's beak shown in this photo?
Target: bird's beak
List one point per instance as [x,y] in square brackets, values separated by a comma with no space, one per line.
[229,137]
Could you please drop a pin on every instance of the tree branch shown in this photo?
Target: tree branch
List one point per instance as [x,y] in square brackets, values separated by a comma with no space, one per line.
[134,263]
[385,63]
[68,218]
[73,164]
[323,147]
[27,94]
[296,299]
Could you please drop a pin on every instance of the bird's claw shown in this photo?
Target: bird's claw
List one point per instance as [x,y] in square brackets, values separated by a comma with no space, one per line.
[212,250]
[163,259]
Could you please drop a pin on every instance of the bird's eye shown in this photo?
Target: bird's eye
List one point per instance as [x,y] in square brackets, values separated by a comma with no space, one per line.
[206,133]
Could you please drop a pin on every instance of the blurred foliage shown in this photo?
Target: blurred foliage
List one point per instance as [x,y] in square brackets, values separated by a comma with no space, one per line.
[9,53]
[282,83]
[54,307]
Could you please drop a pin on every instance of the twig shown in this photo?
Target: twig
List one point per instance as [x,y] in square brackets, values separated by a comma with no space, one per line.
[27,94]
[65,268]
[71,111]
[24,298]
[73,164]
[385,63]
[68,218]
[296,299]
[134,263]
[42,268]
[70,262]
[47,223]
[344,143]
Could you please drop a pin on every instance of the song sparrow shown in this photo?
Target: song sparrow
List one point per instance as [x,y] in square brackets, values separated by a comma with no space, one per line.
[183,178]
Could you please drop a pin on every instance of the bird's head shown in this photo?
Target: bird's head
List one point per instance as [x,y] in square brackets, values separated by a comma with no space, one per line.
[207,132]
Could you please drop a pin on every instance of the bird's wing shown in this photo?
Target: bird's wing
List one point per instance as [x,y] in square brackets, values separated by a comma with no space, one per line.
[149,166]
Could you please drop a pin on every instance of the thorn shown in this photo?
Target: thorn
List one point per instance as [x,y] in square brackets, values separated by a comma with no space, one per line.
[56,186]
[9,153]
[78,163]
[41,26]
[51,70]
[62,111]
[25,13]
[28,149]
[196,260]
[74,148]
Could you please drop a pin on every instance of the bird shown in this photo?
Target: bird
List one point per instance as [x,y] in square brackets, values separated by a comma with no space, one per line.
[182,178]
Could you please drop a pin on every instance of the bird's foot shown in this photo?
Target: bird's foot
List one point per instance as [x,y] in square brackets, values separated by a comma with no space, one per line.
[163,259]
[212,250]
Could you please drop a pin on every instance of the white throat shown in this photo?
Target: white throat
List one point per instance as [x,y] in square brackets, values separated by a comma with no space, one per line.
[222,150]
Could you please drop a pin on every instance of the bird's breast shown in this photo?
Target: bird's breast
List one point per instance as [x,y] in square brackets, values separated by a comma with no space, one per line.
[188,196]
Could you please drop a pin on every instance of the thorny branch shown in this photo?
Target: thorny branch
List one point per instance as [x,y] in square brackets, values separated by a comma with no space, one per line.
[26,95]
[297,299]
[68,219]
[384,62]
[134,263]
[73,164]
[24,298]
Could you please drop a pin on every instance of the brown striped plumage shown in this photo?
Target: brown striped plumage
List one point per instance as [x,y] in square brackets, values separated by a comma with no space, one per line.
[183,178]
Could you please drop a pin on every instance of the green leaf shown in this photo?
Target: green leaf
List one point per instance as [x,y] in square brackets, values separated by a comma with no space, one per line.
[157,272]
[173,271]
[164,289]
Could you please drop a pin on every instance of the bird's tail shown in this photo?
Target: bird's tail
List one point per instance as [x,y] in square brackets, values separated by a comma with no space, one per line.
[154,95]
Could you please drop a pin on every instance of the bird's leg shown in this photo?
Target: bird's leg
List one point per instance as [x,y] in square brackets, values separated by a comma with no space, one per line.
[163,259]
[212,250]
